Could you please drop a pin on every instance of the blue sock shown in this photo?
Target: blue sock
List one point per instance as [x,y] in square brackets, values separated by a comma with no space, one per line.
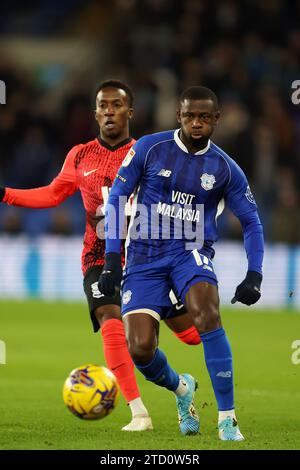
[218,358]
[159,372]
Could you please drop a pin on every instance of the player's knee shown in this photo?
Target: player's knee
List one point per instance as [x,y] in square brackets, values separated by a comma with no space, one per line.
[107,312]
[141,349]
[207,319]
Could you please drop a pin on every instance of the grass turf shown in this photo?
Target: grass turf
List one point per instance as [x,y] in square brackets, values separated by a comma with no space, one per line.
[45,341]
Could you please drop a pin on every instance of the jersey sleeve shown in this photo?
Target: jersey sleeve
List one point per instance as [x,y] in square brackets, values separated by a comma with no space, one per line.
[253,240]
[127,179]
[63,186]
[238,194]
[240,200]
[131,170]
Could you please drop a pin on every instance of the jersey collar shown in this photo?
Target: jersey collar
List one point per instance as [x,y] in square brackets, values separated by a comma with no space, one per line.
[183,147]
[112,148]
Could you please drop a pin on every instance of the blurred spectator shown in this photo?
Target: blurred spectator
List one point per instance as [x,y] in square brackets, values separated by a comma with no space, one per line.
[30,163]
[285,220]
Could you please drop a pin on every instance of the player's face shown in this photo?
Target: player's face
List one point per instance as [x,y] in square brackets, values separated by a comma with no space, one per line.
[113,113]
[198,119]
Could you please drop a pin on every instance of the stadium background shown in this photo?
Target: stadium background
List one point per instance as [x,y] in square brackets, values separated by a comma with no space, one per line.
[52,56]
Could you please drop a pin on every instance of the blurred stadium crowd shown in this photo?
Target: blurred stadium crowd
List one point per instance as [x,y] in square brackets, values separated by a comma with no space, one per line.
[247,51]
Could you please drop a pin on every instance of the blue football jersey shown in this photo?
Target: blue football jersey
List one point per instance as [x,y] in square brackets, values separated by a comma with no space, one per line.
[178,197]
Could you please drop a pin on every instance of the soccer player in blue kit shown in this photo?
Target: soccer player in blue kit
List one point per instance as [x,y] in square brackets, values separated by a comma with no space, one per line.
[181,176]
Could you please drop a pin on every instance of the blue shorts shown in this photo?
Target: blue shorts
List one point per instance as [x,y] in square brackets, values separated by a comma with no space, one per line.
[146,288]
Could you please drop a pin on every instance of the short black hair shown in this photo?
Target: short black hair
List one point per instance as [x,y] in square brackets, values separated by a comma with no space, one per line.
[199,93]
[117,84]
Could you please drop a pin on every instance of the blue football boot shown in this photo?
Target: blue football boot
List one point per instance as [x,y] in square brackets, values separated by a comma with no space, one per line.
[187,414]
[229,430]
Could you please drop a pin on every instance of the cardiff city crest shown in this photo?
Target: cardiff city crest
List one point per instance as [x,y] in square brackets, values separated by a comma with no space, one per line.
[207,181]
[126,297]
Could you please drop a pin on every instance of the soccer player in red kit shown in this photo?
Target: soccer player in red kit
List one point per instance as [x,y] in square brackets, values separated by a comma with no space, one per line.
[91,168]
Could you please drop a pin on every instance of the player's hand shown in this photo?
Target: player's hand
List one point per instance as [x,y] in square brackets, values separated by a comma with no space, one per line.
[2,193]
[111,276]
[248,292]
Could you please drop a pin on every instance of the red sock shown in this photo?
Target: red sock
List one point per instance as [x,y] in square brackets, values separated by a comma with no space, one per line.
[118,359]
[189,336]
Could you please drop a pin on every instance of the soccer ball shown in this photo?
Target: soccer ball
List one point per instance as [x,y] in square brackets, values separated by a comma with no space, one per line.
[91,392]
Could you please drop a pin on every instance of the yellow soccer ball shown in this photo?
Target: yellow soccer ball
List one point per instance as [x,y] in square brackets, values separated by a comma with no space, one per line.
[91,392]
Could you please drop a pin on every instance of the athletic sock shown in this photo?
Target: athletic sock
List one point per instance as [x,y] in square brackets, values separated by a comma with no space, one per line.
[182,387]
[118,358]
[138,408]
[225,414]
[160,372]
[189,336]
[218,358]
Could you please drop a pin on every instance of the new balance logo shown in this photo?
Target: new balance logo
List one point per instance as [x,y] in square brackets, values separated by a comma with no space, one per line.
[224,375]
[160,379]
[165,173]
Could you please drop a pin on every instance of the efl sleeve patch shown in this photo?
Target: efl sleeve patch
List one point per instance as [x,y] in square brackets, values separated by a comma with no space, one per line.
[128,157]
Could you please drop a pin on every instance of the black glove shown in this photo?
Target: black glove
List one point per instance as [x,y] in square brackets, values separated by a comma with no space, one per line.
[2,193]
[111,275]
[248,292]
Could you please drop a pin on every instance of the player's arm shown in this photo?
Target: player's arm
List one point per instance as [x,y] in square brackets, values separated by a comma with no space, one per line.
[239,198]
[63,186]
[127,179]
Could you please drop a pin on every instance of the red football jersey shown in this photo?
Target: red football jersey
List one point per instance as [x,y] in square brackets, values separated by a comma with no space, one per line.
[91,168]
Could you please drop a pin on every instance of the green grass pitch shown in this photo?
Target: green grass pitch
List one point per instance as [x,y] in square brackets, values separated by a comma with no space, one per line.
[45,341]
